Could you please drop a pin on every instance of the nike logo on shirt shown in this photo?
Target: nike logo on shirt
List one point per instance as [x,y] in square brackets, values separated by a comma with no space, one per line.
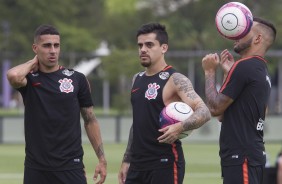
[134,90]
[36,84]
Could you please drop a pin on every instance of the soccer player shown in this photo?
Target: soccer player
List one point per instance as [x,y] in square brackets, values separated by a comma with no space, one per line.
[54,97]
[241,103]
[155,155]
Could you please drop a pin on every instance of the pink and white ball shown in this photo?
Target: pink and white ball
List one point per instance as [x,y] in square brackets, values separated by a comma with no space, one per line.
[176,112]
[234,20]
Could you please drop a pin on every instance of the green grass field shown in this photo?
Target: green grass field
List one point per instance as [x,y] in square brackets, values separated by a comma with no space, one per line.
[202,162]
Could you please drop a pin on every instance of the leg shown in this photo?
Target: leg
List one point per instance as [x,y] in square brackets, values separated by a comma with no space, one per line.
[33,176]
[133,177]
[76,176]
[256,174]
[242,174]
[232,174]
[170,175]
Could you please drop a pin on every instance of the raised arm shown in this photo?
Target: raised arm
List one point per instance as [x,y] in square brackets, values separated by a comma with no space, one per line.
[216,102]
[226,62]
[17,75]
[93,132]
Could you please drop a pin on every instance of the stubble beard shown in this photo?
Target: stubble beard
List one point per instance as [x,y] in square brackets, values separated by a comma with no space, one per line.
[240,48]
[146,63]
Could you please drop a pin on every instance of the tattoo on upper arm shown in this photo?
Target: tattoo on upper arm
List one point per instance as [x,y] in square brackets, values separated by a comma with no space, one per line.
[184,84]
[88,114]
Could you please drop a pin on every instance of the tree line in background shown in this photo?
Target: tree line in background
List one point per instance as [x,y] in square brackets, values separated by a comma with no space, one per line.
[85,24]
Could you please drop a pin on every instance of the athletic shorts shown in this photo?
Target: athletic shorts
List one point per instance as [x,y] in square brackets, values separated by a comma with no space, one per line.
[157,176]
[34,176]
[242,174]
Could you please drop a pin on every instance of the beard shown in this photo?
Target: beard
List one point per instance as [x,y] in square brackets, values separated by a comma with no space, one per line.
[146,63]
[243,46]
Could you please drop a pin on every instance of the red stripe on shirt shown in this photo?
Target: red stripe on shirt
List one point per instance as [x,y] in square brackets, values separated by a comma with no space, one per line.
[175,172]
[167,67]
[233,68]
[245,172]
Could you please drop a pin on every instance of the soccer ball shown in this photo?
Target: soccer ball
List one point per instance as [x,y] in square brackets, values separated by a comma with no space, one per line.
[234,20]
[176,112]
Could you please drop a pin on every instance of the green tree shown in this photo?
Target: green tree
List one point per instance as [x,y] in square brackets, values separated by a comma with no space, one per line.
[84,24]
[74,19]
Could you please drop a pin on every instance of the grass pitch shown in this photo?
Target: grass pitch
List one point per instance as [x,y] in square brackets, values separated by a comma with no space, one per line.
[202,162]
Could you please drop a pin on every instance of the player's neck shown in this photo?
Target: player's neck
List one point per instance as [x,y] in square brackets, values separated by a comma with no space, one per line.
[153,69]
[250,53]
[46,69]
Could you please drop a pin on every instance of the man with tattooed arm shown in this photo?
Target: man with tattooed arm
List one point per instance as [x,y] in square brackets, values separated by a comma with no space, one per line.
[155,155]
[241,103]
[54,97]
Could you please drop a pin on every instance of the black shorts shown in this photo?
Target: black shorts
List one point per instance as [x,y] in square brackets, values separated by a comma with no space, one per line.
[34,176]
[171,175]
[242,174]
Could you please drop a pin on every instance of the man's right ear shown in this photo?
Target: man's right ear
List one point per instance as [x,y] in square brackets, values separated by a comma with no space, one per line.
[34,48]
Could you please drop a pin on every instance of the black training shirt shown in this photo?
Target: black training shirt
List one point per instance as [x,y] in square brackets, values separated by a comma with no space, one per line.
[147,103]
[248,84]
[52,119]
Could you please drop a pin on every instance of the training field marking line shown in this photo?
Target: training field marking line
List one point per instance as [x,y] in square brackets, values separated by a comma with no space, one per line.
[115,175]
[20,175]
[203,175]
[11,175]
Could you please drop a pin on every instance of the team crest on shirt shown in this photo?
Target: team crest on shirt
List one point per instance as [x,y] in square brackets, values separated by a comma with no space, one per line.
[164,75]
[67,72]
[66,85]
[152,91]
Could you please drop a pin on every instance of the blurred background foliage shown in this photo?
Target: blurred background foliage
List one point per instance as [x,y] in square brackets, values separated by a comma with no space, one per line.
[84,24]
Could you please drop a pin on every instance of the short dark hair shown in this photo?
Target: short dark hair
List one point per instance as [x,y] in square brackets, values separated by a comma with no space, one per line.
[267,24]
[158,29]
[45,29]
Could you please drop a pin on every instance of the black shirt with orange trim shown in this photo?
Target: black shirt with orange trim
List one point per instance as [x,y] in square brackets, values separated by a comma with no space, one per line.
[241,137]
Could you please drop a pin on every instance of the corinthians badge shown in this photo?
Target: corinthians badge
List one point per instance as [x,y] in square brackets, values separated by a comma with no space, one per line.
[66,85]
[152,91]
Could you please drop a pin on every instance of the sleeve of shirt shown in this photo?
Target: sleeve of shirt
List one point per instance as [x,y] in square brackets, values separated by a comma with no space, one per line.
[22,90]
[84,94]
[235,80]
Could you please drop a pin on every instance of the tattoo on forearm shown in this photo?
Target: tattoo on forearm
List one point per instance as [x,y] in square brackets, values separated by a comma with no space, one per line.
[89,117]
[198,118]
[184,85]
[210,90]
[127,154]
[100,151]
